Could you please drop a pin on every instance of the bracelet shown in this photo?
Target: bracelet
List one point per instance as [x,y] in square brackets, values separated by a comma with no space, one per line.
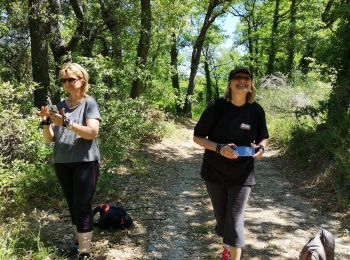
[261,147]
[218,147]
[47,121]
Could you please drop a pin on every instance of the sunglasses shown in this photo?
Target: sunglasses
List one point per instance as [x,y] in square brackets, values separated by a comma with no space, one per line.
[70,80]
[238,77]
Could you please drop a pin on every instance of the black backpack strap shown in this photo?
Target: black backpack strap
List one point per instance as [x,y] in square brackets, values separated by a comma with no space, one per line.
[218,110]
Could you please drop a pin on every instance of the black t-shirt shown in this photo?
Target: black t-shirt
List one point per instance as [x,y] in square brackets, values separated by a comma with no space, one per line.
[222,122]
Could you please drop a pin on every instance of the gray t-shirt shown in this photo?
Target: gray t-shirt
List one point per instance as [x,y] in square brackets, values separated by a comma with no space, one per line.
[69,147]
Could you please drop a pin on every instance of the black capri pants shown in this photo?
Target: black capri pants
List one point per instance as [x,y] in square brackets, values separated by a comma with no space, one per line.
[78,182]
[229,204]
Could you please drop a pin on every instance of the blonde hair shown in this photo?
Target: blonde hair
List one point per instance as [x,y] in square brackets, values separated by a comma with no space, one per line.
[250,96]
[78,71]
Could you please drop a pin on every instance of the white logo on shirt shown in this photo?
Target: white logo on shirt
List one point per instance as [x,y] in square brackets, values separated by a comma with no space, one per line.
[245,126]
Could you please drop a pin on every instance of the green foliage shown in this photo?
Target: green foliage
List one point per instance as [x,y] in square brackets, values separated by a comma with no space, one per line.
[325,151]
[256,18]
[14,52]
[284,105]
[126,125]
[320,148]
[25,174]
[20,239]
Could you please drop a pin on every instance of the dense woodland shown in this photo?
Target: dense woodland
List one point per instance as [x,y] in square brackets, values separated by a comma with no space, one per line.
[151,62]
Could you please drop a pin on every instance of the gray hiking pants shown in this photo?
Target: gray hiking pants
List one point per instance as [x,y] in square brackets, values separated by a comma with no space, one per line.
[229,204]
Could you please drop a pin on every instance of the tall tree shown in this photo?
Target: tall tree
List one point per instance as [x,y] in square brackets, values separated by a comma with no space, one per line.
[174,53]
[314,31]
[15,61]
[291,38]
[209,88]
[60,49]
[39,50]
[214,38]
[113,21]
[306,58]
[246,12]
[138,84]
[210,17]
[273,41]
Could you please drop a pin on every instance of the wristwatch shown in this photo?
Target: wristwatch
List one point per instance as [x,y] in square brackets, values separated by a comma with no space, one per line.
[218,147]
[66,122]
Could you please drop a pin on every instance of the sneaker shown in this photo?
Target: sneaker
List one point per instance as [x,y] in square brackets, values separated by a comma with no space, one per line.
[84,256]
[225,254]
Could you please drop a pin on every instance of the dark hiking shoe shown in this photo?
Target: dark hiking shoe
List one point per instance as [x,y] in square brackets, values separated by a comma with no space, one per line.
[72,251]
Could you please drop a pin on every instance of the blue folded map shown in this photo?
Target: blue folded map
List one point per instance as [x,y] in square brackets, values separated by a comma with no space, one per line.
[244,150]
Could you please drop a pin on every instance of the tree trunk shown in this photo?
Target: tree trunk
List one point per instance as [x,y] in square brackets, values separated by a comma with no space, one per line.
[291,39]
[138,85]
[39,52]
[175,74]
[250,42]
[87,44]
[209,90]
[216,88]
[257,69]
[113,22]
[305,61]
[61,50]
[273,44]
[196,54]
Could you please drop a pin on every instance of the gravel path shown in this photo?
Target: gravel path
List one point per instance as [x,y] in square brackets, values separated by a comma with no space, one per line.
[174,219]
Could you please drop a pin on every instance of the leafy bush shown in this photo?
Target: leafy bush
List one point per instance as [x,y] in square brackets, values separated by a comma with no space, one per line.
[25,172]
[287,108]
[126,125]
[325,151]
[20,239]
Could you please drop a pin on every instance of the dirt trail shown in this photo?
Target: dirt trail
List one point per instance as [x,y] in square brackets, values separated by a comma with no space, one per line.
[174,219]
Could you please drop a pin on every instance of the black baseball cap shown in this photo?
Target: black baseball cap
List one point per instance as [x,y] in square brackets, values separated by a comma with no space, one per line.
[237,70]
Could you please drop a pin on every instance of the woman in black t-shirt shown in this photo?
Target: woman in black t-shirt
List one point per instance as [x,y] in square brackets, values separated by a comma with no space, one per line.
[235,120]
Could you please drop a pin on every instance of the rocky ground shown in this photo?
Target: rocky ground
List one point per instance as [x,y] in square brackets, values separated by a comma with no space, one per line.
[173,218]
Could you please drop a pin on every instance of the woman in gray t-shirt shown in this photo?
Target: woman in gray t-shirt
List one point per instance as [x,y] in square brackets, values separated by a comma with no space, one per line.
[73,126]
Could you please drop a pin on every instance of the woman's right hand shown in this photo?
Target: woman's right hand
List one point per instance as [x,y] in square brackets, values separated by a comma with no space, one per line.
[44,112]
[228,152]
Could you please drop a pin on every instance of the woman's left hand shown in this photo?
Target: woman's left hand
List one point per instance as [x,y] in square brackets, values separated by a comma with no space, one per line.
[57,118]
[259,153]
